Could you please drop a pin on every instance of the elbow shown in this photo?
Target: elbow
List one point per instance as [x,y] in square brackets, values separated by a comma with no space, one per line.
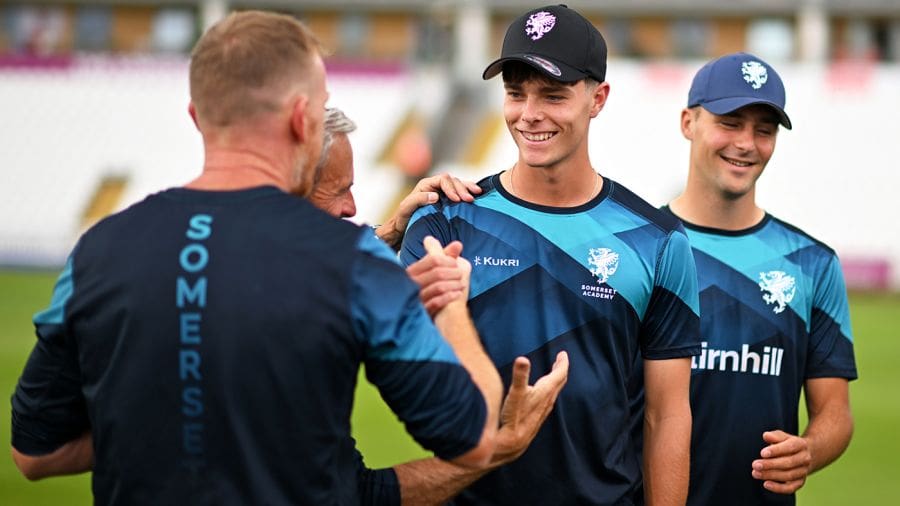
[480,456]
[29,466]
[849,426]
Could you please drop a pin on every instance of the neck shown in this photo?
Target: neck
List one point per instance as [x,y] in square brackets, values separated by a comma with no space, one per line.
[236,167]
[551,186]
[706,209]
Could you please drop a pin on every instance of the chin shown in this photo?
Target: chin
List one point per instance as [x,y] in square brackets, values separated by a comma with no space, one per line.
[732,194]
[538,161]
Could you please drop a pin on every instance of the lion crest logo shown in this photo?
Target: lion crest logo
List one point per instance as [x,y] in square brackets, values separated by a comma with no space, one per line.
[604,262]
[778,288]
[539,24]
[755,74]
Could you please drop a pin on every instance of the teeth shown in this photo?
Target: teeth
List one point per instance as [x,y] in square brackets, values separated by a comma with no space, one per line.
[537,137]
[738,163]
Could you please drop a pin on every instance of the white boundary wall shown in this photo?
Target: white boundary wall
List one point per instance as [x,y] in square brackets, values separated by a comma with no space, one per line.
[61,130]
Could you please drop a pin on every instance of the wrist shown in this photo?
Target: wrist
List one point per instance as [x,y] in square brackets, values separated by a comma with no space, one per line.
[451,311]
[388,233]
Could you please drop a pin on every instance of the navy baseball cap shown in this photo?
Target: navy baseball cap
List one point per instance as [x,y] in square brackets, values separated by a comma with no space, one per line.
[736,80]
[557,41]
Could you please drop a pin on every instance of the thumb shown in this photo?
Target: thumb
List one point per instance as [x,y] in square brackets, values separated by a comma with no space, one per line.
[454,249]
[433,246]
[774,436]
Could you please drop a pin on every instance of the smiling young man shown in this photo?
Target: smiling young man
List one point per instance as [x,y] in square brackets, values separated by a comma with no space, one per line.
[774,315]
[566,259]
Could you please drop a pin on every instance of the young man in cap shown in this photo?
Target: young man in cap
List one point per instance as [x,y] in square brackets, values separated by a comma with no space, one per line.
[774,315]
[565,259]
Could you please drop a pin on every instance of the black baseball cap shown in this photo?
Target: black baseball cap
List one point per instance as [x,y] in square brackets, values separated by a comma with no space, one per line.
[557,41]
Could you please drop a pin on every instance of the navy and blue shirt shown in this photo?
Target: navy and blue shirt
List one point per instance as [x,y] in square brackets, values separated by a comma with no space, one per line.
[773,314]
[612,282]
[211,343]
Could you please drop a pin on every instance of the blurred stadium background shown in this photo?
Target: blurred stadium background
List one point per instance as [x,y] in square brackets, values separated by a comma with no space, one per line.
[93,117]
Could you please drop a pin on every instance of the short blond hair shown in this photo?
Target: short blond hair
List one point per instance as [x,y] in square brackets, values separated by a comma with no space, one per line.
[245,64]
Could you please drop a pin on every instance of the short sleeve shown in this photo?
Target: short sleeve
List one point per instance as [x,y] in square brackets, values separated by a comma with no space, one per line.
[671,325]
[830,338]
[48,408]
[425,221]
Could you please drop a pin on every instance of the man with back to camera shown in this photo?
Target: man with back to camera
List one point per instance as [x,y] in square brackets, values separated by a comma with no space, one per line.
[564,258]
[209,337]
[774,316]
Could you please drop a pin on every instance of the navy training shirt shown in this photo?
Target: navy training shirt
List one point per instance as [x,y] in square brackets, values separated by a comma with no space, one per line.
[773,313]
[612,282]
[211,342]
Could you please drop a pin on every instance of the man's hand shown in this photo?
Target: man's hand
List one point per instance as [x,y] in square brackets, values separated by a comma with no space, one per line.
[424,193]
[785,463]
[442,275]
[433,481]
[526,407]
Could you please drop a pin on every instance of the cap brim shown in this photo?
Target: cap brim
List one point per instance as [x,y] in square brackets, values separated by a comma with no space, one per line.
[731,104]
[553,69]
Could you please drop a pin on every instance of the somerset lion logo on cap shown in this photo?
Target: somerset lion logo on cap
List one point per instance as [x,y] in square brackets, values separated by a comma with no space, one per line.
[754,73]
[539,23]
[556,41]
[737,80]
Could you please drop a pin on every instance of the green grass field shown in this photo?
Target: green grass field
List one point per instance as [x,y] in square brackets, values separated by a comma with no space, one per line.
[866,475]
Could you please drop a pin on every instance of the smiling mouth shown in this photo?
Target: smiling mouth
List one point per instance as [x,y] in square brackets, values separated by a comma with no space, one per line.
[537,136]
[737,163]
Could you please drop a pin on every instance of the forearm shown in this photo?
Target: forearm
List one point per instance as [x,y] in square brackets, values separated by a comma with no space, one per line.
[457,328]
[389,233]
[433,481]
[667,443]
[76,456]
[667,431]
[828,435]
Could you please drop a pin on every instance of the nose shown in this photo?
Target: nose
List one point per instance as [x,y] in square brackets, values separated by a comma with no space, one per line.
[348,206]
[531,110]
[745,139]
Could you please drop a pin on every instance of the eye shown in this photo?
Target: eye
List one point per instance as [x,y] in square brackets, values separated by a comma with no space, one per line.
[728,123]
[513,94]
[767,129]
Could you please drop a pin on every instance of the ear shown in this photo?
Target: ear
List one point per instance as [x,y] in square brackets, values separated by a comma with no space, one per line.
[298,118]
[598,97]
[192,111]
[688,119]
